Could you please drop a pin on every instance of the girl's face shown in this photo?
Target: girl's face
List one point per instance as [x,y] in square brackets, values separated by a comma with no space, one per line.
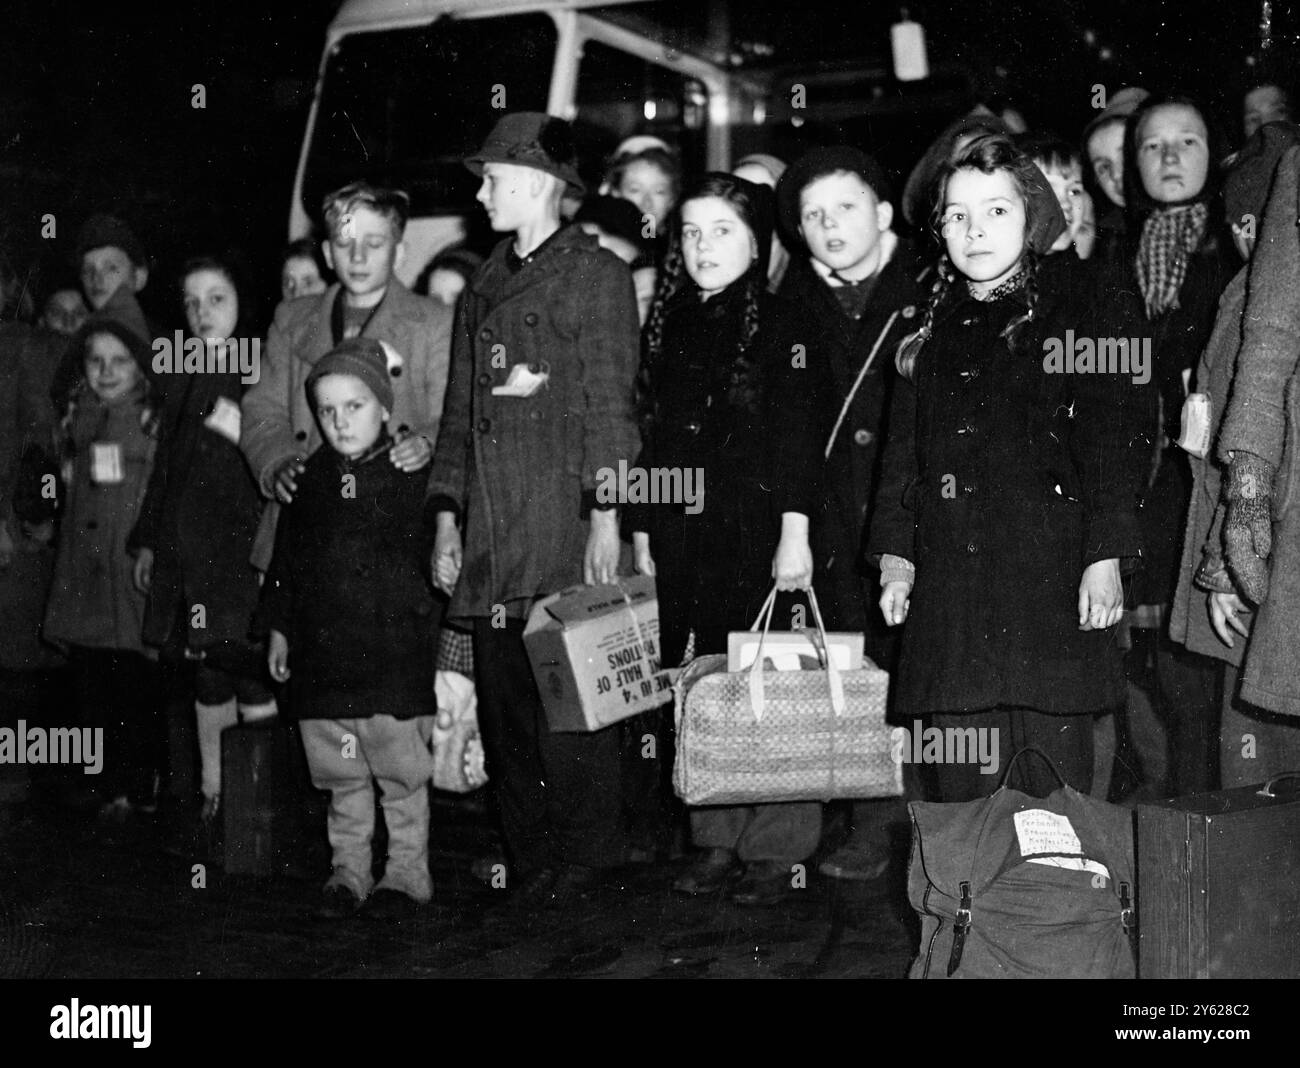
[1106,154]
[984,225]
[1067,184]
[716,246]
[111,370]
[211,305]
[300,277]
[1173,153]
[649,188]
[350,415]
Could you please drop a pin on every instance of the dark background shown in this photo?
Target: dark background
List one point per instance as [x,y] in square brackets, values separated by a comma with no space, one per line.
[95,101]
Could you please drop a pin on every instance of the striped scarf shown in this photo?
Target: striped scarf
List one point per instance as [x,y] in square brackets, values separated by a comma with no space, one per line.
[1168,238]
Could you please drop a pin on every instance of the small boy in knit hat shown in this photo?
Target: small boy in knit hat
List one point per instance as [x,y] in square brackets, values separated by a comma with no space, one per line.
[352,624]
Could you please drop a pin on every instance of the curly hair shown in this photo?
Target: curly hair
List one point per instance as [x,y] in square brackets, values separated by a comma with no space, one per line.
[988,154]
[675,286]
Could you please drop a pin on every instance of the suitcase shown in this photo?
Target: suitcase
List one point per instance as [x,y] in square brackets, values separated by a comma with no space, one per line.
[273,819]
[1219,884]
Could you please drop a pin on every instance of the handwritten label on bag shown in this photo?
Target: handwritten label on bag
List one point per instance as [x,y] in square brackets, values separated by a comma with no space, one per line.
[524,380]
[1040,831]
[225,420]
[106,463]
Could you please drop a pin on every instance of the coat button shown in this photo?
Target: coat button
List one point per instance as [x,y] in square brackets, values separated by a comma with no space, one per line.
[403,429]
[909,311]
[301,435]
[395,371]
[92,524]
[694,428]
[862,437]
[968,488]
[530,319]
[535,415]
[970,374]
[484,425]
[485,379]
[485,334]
[972,548]
[968,428]
[968,322]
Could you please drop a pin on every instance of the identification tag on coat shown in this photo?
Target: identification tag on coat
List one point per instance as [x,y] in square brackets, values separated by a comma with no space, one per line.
[1194,433]
[524,380]
[225,420]
[106,463]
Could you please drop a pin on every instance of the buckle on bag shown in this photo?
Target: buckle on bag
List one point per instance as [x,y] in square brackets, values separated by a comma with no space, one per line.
[960,927]
[1126,910]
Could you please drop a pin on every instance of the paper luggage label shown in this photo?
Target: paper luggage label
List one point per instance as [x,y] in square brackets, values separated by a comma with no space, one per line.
[106,463]
[1040,831]
[524,380]
[225,420]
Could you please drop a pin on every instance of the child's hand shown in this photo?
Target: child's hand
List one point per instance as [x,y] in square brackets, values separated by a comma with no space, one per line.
[142,573]
[600,560]
[286,479]
[642,560]
[277,656]
[792,566]
[894,602]
[1101,595]
[447,554]
[411,453]
[1223,614]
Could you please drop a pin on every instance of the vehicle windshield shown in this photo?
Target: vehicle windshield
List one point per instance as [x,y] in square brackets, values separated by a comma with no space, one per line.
[401,108]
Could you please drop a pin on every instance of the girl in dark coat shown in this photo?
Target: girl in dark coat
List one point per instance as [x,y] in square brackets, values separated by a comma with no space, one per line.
[196,528]
[352,623]
[1009,495]
[734,386]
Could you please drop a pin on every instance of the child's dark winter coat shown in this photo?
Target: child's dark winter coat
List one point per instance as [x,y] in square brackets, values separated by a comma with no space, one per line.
[348,587]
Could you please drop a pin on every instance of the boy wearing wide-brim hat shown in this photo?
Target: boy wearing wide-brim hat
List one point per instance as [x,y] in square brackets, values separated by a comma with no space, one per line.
[516,469]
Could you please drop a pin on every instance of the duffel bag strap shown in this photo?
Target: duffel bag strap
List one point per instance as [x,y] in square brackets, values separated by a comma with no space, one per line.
[960,928]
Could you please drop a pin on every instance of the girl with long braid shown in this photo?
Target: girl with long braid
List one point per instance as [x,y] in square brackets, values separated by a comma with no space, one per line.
[1009,493]
[732,386]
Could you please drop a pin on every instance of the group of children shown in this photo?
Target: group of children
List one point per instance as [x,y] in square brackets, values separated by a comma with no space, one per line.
[873,414]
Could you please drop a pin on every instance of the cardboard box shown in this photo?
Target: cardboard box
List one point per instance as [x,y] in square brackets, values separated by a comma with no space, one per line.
[595,654]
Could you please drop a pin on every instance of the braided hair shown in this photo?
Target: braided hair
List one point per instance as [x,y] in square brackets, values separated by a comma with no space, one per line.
[676,286]
[987,155]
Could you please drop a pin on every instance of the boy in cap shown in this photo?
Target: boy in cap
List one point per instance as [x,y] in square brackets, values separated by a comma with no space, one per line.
[366,225]
[864,285]
[352,623]
[540,400]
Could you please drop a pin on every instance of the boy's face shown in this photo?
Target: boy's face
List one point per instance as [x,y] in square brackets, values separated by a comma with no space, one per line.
[350,415]
[1067,184]
[511,195]
[363,251]
[1265,104]
[211,305]
[65,311]
[1106,155]
[1173,154]
[105,270]
[300,278]
[841,220]
[111,371]
[984,225]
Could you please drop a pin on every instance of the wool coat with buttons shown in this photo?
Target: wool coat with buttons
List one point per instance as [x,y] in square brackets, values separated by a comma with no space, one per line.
[349,589]
[838,531]
[522,470]
[757,448]
[277,420]
[1002,481]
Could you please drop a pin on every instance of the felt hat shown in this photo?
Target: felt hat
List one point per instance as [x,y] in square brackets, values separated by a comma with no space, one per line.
[817,164]
[1122,104]
[103,230]
[920,183]
[532,139]
[617,217]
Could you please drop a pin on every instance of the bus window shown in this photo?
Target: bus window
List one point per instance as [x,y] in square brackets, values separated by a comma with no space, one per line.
[619,95]
[401,108]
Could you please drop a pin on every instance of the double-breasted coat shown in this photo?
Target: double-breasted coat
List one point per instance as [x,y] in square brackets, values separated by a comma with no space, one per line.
[1003,481]
[523,471]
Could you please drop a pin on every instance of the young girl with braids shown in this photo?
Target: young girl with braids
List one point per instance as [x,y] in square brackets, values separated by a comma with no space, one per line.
[1008,498]
[733,386]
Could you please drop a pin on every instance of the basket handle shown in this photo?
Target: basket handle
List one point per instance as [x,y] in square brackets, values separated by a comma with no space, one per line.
[1267,789]
[757,698]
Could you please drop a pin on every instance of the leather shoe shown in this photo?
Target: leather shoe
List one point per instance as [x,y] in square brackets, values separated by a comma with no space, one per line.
[708,873]
[764,883]
[573,883]
[337,903]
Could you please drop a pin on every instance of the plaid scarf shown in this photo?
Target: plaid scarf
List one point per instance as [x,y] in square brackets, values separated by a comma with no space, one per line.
[1014,284]
[1168,238]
